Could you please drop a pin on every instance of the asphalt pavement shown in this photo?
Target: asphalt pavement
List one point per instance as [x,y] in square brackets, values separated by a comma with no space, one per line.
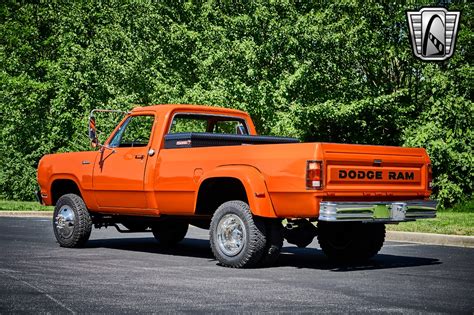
[130,273]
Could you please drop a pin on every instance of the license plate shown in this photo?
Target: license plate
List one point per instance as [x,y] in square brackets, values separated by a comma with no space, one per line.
[398,211]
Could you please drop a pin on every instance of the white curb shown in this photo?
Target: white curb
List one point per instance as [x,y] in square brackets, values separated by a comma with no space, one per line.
[431,238]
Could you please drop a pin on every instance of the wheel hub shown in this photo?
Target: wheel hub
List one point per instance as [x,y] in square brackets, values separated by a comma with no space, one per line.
[231,234]
[64,221]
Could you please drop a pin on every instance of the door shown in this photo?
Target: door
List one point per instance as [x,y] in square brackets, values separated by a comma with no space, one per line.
[118,178]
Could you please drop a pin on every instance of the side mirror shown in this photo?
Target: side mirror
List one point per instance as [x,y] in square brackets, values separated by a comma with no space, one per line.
[92,132]
[95,143]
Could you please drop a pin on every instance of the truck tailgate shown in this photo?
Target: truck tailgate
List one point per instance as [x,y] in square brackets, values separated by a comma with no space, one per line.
[388,170]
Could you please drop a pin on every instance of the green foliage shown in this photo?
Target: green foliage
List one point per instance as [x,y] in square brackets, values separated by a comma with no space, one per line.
[465,206]
[446,222]
[446,131]
[329,71]
[10,205]
[374,120]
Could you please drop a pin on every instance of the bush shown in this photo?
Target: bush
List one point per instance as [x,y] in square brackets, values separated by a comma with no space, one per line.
[446,131]
[372,120]
[321,71]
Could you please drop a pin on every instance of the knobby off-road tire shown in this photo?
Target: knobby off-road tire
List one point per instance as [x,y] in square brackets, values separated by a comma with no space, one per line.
[170,232]
[72,223]
[238,239]
[348,242]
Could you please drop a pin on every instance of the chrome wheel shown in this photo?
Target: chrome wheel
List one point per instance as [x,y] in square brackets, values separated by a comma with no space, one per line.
[64,221]
[231,234]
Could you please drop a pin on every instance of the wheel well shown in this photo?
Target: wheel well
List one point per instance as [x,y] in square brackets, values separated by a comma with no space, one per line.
[215,191]
[61,187]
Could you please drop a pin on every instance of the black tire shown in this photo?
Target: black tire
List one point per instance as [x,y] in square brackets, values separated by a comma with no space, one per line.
[274,243]
[170,232]
[80,230]
[302,235]
[254,236]
[347,242]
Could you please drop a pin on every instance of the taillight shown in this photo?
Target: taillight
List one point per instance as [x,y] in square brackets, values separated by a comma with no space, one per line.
[430,177]
[314,175]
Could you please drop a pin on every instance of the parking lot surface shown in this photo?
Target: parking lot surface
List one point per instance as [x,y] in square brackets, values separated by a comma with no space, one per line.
[130,273]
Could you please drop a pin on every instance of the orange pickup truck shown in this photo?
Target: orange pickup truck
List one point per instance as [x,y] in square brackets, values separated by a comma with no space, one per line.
[165,167]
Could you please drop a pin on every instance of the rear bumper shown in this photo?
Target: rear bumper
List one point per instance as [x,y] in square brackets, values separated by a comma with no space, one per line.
[381,211]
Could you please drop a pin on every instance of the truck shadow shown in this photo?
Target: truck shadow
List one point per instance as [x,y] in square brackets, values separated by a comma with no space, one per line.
[301,258]
[313,258]
[189,247]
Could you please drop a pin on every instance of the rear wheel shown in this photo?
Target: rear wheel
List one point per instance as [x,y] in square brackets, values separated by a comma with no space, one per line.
[238,239]
[300,232]
[170,232]
[350,241]
[72,223]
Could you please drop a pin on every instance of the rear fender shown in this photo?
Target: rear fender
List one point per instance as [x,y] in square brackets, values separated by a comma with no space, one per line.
[254,183]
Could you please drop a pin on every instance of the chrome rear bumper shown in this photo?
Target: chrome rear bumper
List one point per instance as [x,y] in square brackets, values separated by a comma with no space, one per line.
[381,211]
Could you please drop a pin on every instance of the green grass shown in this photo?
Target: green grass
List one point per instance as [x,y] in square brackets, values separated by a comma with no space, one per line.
[9,205]
[465,206]
[446,222]
[458,220]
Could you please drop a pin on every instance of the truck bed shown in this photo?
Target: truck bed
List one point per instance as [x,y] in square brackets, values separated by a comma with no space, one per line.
[204,139]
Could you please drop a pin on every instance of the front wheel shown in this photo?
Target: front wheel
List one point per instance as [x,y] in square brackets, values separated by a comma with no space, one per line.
[238,239]
[350,241]
[72,223]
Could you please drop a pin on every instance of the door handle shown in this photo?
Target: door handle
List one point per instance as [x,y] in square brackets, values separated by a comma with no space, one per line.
[139,156]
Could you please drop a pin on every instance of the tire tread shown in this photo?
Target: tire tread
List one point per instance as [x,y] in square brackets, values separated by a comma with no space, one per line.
[84,227]
[257,238]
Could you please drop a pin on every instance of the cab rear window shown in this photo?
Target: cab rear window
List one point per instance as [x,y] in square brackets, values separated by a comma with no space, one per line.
[209,124]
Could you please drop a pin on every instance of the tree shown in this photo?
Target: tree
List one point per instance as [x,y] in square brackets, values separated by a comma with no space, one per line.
[335,71]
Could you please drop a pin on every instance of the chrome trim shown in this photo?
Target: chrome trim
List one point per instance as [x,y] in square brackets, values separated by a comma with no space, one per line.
[100,110]
[231,235]
[396,211]
[65,221]
[422,215]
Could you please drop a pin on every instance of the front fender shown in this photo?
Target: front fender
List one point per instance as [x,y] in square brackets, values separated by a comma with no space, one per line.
[47,188]
[254,183]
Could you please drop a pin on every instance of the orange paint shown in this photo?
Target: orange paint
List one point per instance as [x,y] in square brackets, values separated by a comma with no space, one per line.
[131,180]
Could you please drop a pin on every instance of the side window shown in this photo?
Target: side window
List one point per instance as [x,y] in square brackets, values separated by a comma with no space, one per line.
[134,132]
